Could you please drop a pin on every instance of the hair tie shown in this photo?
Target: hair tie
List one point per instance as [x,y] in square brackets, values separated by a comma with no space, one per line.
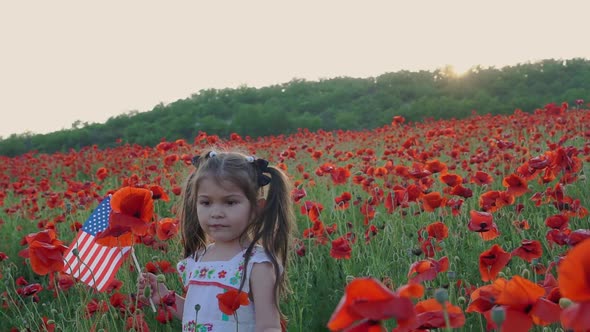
[261,166]
[195,160]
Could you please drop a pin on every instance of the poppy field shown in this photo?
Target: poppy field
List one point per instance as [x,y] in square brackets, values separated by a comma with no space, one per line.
[468,224]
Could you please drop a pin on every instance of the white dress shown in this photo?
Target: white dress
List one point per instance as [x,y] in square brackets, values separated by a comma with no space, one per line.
[204,280]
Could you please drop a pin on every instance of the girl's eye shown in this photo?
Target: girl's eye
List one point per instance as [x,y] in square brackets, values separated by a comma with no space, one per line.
[232,202]
[204,203]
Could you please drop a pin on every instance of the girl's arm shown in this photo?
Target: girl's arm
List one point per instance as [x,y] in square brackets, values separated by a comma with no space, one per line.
[157,291]
[262,282]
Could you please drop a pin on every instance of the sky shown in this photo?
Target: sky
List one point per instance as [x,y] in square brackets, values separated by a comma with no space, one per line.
[63,61]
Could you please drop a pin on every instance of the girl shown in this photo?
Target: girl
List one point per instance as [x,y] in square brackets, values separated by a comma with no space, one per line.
[236,218]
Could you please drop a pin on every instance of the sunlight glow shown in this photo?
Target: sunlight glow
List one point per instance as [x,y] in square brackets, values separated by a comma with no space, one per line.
[459,70]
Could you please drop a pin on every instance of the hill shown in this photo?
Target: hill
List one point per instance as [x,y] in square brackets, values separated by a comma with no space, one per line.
[337,103]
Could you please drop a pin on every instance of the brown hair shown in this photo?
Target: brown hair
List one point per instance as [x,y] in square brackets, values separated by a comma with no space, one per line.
[271,225]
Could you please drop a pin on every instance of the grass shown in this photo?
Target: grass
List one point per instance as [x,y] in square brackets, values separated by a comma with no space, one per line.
[317,279]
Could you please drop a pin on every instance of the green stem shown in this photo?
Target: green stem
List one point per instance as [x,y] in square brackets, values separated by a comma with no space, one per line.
[447,319]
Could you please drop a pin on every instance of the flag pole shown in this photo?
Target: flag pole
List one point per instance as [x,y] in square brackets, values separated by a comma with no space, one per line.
[138,267]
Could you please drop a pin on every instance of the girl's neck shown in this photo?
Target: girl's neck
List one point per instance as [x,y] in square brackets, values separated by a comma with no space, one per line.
[224,251]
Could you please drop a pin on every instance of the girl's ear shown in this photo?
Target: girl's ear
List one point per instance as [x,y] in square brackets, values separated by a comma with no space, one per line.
[260,204]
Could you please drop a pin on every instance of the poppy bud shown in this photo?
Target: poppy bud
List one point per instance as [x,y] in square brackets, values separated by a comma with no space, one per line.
[498,315]
[75,252]
[441,295]
[452,275]
[147,292]
[461,300]
[161,278]
[564,302]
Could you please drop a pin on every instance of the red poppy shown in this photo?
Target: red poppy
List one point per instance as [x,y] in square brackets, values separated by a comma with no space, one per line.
[64,281]
[558,221]
[418,171]
[102,173]
[559,237]
[430,315]
[47,326]
[297,194]
[461,191]
[367,326]
[166,228]
[340,248]
[575,317]
[176,190]
[481,178]
[492,261]
[29,290]
[164,315]
[524,304]
[493,200]
[231,301]
[521,224]
[574,273]
[120,301]
[528,250]
[312,210]
[438,230]
[451,180]
[480,221]
[578,236]
[132,210]
[398,119]
[483,299]
[343,201]
[436,166]
[432,201]
[94,306]
[367,299]
[427,269]
[516,186]
[158,193]
[158,267]
[340,175]
[45,252]
[137,322]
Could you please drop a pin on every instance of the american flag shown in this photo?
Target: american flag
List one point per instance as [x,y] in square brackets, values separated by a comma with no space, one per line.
[90,262]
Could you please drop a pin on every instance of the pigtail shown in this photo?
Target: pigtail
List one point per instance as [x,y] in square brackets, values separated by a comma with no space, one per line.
[278,220]
[273,228]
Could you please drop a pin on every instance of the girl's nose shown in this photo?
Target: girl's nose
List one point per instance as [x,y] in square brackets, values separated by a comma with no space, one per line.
[216,212]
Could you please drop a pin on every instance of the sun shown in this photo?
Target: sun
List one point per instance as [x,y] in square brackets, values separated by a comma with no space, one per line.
[460,69]
[455,70]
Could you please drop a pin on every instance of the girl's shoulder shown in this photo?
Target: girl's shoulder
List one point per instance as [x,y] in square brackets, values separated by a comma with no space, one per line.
[185,265]
[259,255]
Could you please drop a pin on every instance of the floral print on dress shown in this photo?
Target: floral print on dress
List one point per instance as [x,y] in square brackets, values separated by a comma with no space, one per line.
[209,272]
[192,326]
[182,269]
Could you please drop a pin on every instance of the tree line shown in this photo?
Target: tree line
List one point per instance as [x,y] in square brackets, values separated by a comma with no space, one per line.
[328,104]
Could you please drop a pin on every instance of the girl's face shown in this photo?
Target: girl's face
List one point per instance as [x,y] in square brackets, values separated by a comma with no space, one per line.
[223,210]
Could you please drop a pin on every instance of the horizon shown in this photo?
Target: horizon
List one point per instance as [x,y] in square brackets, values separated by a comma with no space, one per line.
[64,63]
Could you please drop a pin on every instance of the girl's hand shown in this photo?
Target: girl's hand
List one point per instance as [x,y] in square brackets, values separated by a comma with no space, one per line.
[157,290]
